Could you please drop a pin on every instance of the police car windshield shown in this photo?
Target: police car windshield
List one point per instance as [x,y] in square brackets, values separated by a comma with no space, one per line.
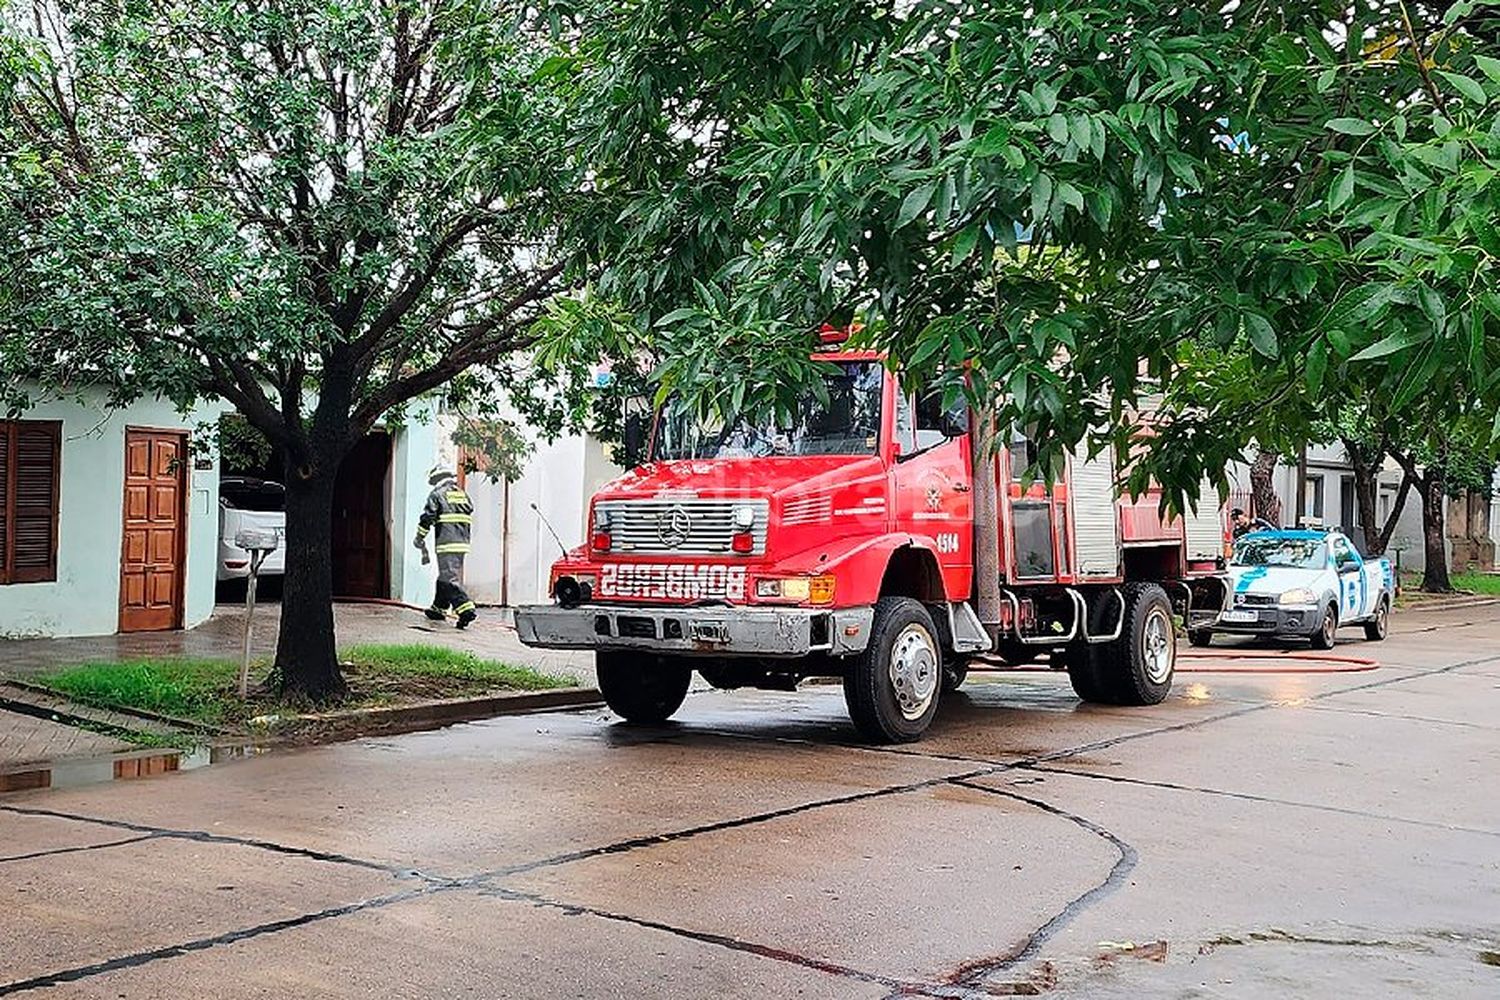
[1298,553]
[846,423]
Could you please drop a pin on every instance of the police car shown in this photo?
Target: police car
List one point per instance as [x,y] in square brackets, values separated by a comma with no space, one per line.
[1304,584]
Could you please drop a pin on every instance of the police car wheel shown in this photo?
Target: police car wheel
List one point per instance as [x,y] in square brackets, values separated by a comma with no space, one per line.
[1377,627]
[892,688]
[642,687]
[1327,626]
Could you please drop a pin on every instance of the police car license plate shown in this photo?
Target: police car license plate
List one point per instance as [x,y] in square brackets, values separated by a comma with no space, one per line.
[1239,616]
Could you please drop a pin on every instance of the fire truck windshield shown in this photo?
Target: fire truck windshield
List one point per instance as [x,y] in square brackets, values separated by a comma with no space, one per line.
[847,424]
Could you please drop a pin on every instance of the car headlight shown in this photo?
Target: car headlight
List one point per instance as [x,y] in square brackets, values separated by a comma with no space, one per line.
[1299,595]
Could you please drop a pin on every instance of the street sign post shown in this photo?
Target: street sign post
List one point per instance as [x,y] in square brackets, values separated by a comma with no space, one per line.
[259,544]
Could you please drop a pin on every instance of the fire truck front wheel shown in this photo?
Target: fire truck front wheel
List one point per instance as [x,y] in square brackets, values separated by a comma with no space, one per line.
[641,687]
[892,688]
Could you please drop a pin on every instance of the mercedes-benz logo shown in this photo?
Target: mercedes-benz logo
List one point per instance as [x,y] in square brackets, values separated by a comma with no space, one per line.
[673,527]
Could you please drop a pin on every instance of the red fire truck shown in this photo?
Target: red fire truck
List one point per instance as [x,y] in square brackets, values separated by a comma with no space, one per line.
[843,546]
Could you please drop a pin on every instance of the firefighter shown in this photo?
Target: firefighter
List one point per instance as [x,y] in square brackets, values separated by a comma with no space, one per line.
[448,507]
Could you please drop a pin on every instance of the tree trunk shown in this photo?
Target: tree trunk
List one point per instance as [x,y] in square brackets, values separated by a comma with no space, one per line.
[1366,466]
[306,659]
[1263,487]
[1434,488]
[986,521]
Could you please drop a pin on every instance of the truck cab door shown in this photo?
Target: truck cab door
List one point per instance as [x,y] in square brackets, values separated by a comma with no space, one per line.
[932,484]
[1355,594]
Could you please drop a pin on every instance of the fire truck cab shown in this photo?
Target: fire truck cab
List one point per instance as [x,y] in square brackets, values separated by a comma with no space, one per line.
[842,546]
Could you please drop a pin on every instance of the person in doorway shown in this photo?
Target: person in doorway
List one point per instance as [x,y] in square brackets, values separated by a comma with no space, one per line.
[451,513]
[1244,524]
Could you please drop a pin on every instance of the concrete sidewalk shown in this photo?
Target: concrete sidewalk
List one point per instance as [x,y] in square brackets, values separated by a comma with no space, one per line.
[220,637]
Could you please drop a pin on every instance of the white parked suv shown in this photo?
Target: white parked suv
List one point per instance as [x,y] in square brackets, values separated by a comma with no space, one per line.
[250,505]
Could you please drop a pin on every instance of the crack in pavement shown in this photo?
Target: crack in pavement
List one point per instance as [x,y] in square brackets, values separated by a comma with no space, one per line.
[1264,800]
[433,884]
[74,850]
[977,970]
[200,944]
[204,837]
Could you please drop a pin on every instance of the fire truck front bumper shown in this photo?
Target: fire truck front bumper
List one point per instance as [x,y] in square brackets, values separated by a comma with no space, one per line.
[698,631]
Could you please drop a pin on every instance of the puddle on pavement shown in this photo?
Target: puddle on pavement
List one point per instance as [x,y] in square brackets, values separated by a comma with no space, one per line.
[98,770]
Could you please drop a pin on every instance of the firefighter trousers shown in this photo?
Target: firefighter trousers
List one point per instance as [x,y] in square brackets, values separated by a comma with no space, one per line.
[450,591]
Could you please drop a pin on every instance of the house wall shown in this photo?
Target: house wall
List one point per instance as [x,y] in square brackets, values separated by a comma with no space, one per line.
[85,598]
[559,479]
[415,446]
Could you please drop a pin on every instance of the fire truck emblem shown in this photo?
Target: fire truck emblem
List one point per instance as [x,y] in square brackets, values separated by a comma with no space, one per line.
[934,498]
[673,527]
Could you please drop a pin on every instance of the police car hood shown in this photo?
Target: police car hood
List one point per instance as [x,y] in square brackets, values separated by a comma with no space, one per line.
[1271,579]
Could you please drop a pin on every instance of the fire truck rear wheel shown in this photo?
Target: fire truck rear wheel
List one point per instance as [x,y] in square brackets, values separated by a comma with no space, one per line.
[892,688]
[642,687]
[1144,658]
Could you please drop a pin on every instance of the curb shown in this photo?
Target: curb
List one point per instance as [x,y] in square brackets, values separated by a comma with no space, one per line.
[124,766]
[168,721]
[1449,604]
[436,714]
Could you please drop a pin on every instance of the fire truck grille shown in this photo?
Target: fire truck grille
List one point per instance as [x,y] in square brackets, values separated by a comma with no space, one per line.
[685,527]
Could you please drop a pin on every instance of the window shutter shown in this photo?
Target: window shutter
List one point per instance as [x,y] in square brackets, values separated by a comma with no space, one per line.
[33,505]
[5,445]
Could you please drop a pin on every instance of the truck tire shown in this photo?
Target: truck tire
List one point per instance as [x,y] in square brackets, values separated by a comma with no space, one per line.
[1147,647]
[1327,626]
[892,688]
[1086,672]
[1137,668]
[1377,627]
[641,687]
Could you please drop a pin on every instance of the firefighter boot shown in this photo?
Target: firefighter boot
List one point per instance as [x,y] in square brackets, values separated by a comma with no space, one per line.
[466,614]
[433,614]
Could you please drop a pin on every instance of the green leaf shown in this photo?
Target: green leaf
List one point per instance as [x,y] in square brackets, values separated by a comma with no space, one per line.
[1343,188]
[1489,65]
[964,243]
[1326,80]
[1070,196]
[1359,306]
[1317,365]
[1262,337]
[1057,129]
[915,203]
[992,143]
[1465,85]
[1397,341]
[1041,197]
[1351,126]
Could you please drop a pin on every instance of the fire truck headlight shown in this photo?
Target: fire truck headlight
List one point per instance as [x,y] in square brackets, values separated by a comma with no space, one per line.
[744,518]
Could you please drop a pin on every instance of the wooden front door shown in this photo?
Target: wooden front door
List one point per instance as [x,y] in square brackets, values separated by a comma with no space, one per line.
[151,562]
[361,555]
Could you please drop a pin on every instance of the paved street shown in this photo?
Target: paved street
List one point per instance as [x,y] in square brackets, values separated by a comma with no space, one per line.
[1286,835]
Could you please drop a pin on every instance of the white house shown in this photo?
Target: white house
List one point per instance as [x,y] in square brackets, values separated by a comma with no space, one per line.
[108,519]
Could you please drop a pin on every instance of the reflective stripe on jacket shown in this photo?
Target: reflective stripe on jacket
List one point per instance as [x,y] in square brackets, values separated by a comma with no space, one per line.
[452,513]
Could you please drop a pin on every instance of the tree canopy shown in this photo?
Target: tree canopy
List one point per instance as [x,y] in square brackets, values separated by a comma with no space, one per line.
[1089,208]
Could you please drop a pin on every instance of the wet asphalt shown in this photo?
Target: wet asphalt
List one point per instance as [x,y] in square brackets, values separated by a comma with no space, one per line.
[1296,834]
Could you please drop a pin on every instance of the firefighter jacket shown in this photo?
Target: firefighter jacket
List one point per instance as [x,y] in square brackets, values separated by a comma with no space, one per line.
[450,511]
